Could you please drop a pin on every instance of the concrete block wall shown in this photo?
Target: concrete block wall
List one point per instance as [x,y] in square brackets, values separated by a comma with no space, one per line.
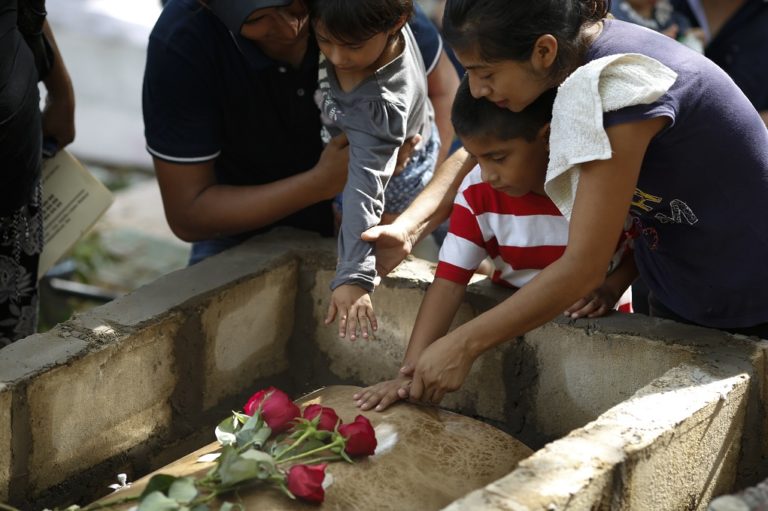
[112,388]
[119,384]
[670,446]
[101,405]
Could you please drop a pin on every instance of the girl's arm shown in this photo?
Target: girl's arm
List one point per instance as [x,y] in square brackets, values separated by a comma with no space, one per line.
[602,202]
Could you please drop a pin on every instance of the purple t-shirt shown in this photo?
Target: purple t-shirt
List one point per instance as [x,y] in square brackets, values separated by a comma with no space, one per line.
[701,201]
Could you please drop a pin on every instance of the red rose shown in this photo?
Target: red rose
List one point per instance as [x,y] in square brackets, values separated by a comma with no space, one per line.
[276,408]
[306,482]
[328,417]
[361,439]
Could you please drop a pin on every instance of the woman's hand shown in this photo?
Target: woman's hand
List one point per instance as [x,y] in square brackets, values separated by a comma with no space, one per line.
[353,304]
[383,394]
[442,367]
[393,244]
[59,119]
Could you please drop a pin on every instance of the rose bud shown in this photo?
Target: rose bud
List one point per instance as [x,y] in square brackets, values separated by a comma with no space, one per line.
[276,408]
[306,482]
[360,437]
[328,417]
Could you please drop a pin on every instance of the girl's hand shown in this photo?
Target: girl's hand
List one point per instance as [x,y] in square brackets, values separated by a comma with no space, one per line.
[383,394]
[353,304]
[441,368]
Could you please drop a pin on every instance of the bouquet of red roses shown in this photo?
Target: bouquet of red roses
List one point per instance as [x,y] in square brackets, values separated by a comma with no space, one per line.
[273,442]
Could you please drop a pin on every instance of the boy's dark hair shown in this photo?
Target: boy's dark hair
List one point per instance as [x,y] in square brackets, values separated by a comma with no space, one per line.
[508,29]
[478,117]
[354,21]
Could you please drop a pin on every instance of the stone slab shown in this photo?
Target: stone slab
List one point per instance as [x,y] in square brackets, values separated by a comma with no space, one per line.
[246,330]
[99,406]
[37,353]
[427,458]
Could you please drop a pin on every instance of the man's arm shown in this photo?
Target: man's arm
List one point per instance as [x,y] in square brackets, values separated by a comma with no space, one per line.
[764,115]
[199,208]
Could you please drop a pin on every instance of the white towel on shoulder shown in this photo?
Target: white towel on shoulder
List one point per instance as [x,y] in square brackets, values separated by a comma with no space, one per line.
[577,134]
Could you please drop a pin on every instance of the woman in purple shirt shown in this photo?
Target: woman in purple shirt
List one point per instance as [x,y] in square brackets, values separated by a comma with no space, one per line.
[691,168]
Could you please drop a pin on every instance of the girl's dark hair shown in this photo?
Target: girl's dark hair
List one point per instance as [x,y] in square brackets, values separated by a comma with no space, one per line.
[508,29]
[354,21]
[478,117]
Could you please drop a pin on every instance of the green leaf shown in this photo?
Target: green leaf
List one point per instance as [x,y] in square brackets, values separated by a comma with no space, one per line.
[251,464]
[160,483]
[202,507]
[183,490]
[241,417]
[228,506]
[156,501]
[225,431]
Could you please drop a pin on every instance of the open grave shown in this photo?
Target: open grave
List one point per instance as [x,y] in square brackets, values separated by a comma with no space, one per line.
[623,412]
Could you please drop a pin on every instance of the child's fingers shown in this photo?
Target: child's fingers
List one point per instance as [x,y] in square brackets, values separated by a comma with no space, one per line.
[404,391]
[407,370]
[343,324]
[352,323]
[372,319]
[331,313]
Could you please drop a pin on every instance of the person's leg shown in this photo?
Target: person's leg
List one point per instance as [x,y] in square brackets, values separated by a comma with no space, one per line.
[21,225]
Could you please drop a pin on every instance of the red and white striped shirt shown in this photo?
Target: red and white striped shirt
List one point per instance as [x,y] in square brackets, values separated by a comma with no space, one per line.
[521,234]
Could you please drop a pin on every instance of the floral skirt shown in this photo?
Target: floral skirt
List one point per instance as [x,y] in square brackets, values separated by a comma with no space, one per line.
[21,241]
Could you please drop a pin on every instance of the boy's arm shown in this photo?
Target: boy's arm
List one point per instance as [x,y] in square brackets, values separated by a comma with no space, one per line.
[437,310]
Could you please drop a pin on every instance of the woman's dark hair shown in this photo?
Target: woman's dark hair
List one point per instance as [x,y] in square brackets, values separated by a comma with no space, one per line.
[478,117]
[354,21]
[508,29]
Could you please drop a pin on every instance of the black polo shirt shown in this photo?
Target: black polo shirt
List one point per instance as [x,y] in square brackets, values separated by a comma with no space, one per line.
[210,95]
[741,48]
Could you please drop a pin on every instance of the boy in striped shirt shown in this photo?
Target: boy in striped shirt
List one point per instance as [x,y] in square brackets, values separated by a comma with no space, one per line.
[502,212]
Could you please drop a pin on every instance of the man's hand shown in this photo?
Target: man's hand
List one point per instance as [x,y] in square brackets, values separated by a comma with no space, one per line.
[332,166]
[354,307]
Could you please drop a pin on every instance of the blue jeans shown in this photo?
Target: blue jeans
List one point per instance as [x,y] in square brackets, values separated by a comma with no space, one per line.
[207,248]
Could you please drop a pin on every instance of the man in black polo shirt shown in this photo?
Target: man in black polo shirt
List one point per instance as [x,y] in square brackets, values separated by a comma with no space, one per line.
[232,125]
